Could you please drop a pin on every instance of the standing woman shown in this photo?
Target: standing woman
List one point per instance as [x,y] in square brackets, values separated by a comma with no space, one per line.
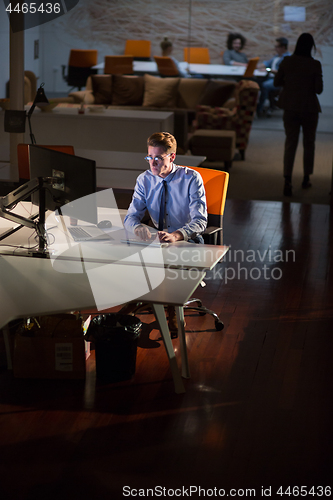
[301,78]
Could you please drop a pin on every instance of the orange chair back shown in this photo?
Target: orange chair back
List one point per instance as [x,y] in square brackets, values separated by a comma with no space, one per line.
[166,66]
[23,157]
[138,48]
[82,58]
[197,55]
[216,186]
[118,65]
[251,66]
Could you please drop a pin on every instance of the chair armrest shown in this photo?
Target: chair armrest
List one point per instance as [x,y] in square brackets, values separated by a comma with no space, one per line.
[212,230]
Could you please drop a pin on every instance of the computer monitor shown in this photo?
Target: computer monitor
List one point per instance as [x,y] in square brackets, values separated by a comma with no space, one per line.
[77,178]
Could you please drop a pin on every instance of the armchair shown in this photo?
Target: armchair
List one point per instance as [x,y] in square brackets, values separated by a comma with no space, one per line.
[239,118]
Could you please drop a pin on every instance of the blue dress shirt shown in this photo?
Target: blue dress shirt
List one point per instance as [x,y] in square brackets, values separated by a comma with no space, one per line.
[186,209]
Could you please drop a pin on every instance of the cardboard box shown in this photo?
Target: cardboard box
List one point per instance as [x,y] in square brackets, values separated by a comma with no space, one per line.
[42,353]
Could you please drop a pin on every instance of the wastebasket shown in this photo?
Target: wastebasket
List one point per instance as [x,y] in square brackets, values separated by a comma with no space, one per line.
[116,337]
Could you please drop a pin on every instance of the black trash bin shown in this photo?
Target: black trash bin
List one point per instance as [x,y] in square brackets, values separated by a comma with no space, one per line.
[116,337]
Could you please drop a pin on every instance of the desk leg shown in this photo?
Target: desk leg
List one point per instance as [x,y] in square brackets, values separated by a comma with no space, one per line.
[163,325]
[182,342]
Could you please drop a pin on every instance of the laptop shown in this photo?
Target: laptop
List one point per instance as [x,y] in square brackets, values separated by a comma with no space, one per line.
[88,233]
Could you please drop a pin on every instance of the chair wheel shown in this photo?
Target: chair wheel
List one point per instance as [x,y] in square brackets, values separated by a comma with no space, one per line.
[219,325]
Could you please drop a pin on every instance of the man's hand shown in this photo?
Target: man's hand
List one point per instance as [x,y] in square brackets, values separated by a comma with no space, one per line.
[170,237]
[143,233]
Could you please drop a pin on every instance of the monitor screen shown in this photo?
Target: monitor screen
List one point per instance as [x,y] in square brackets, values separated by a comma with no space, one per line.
[77,179]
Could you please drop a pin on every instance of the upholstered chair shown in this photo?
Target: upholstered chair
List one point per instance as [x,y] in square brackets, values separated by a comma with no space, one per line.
[239,118]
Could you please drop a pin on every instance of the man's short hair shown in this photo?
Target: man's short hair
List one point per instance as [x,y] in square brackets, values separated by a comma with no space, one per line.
[283,41]
[163,140]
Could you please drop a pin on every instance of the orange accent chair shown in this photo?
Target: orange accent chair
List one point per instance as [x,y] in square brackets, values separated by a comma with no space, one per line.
[80,66]
[197,55]
[216,187]
[251,66]
[139,49]
[166,66]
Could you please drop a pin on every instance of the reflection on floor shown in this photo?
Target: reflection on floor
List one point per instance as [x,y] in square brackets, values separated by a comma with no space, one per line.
[256,412]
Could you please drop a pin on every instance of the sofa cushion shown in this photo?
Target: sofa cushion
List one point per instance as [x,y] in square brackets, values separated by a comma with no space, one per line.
[102,88]
[189,92]
[160,92]
[127,90]
[217,93]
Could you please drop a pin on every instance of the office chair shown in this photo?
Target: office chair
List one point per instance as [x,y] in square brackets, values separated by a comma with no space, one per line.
[118,65]
[80,67]
[216,186]
[197,55]
[166,66]
[139,49]
[251,66]
[23,157]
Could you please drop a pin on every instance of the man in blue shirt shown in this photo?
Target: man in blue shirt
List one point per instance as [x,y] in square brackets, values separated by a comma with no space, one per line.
[174,197]
[272,64]
[183,215]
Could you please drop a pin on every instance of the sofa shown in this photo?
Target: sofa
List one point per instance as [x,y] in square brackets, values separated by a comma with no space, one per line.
[179,95]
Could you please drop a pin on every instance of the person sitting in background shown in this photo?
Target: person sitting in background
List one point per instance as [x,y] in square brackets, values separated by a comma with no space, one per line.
[166,46]
[234,56]
[267,86]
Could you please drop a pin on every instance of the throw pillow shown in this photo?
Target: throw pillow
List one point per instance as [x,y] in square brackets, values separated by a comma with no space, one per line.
[217,93]
[102,88]
[160,92]
[127,90]
[85,96]
[190,90]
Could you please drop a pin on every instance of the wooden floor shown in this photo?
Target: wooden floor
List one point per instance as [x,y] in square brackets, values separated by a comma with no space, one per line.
[257,411]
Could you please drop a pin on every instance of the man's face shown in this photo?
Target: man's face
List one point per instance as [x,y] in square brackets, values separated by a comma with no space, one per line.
[162,167]
[237,44]
[279,49]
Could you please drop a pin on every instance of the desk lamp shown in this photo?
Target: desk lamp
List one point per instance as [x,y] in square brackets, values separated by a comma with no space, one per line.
[41,101]
[15,119]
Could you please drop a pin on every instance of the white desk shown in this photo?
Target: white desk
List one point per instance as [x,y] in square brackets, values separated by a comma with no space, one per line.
[33,286]
[138,67]
[210,70]
[30,287]
[109,130]
[217,70]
